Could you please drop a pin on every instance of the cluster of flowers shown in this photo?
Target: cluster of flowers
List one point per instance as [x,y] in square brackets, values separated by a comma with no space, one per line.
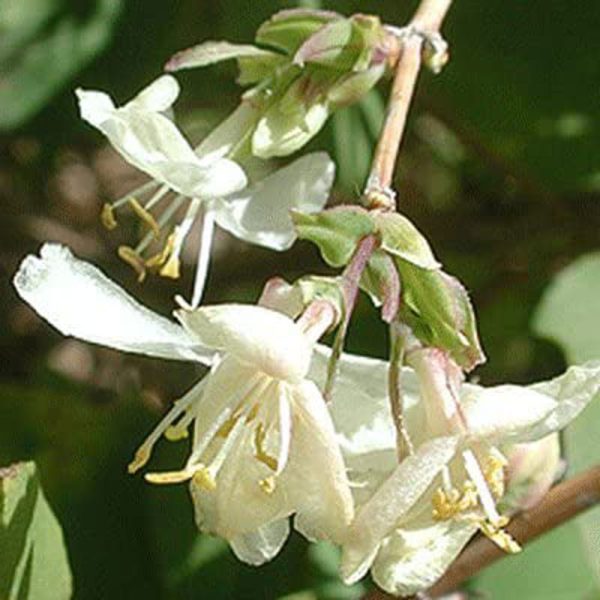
[400,498]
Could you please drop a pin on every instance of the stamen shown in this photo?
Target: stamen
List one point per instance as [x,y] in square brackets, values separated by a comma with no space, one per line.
[179,431]
[208,228]
[199,474]
[259,449]
[145,216]
[133,259]
[171,267]
[268,484]
[157,197]
[159,259]
[449,503]
[485,495]
[139,191]
[285,428]
[107,217]
[164,218]
[143,453]
[254,385]
[494,474]
[501,538]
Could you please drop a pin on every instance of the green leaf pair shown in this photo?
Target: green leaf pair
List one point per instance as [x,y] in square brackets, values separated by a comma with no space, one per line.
[306,65]
[402,276]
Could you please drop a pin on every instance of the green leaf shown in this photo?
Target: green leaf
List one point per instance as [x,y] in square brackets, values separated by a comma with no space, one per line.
[381,281]
[33,558]
[336,231]
[353,148]
[292,120]
[402,239]
[329,45]
[212,52]
[352,87]
[441,313]
[288,29]
[569,313]
[44,45]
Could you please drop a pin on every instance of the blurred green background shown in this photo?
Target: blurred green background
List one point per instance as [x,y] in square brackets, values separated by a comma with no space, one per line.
[500,168]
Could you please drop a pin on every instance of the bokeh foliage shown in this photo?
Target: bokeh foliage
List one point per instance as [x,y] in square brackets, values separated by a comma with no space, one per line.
[500,168]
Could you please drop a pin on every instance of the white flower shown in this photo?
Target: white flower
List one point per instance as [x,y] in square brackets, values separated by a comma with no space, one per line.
[414,518]
[215,186]
[264,447]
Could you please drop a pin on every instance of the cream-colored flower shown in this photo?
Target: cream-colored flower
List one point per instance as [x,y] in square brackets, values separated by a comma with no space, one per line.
[413,518]
[214,187]
[264,447]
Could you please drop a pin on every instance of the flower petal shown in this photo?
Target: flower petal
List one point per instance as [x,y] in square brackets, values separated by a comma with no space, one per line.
[260,546]
[512,413]
[159,96]
[152,142]
[261,214]
[269,340]
[222,139]
[281,132]
[378,517]
[315,478]
[79,300]
[360,406]
[504,412]
[411,561]
[573,391]
[95,107]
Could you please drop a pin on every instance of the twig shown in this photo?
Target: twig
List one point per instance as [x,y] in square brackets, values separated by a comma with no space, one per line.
[426,22]
[562,503]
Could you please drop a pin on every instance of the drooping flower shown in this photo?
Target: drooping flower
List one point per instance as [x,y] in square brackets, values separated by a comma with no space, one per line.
[413,518]
[213,185]
[264,447]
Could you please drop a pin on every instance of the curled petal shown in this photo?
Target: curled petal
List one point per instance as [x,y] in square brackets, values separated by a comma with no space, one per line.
[262,545]
[384,511]
[159,96]
[411,561]
[150,141]
[79,300]
[315,477]
[261,213]
[258,336]
[504,412]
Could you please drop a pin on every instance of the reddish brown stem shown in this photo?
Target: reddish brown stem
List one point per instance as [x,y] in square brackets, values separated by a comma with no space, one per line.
[428,20]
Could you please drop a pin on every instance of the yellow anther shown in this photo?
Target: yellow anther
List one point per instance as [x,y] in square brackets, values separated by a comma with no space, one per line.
[171,268]
[142,456]
[203,479]
[132,258]
[501,538]
[174,433]
[226,428]
[494,475]
[268,484]
[144,215]
[107,217]
[252,414]
[169,477]
[447,504]
[161,258]
[199,474]
[260,452]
